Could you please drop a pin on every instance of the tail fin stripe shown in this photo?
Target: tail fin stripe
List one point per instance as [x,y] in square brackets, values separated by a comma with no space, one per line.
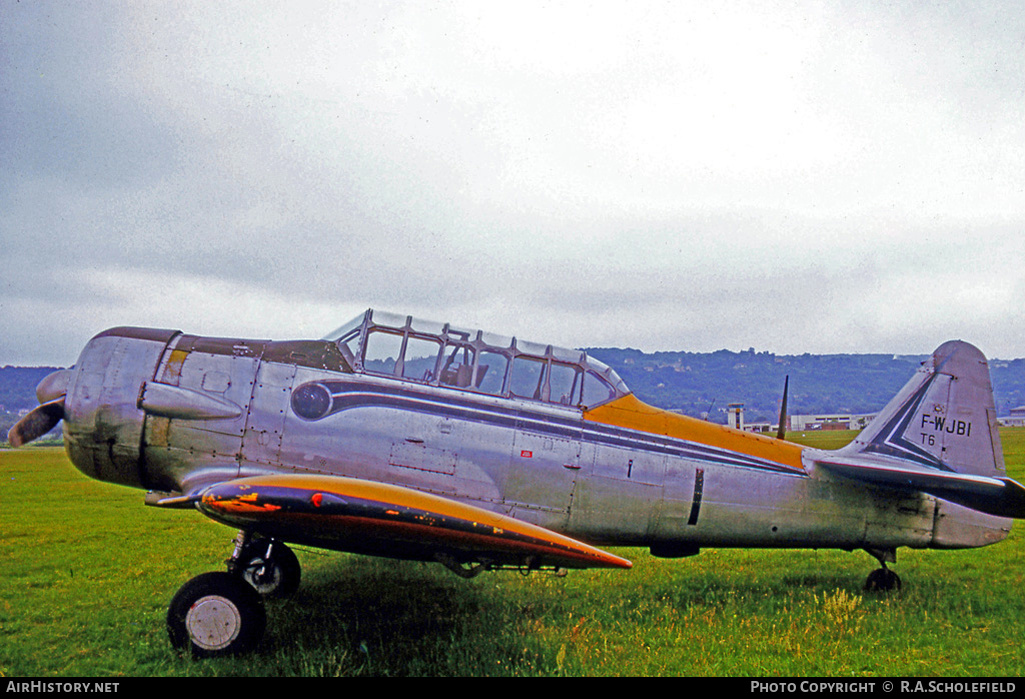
[891,442]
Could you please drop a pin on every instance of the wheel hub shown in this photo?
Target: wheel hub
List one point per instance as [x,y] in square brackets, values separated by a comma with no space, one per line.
[213,622]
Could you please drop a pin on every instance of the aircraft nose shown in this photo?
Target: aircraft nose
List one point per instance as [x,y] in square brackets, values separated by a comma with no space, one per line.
[103,421]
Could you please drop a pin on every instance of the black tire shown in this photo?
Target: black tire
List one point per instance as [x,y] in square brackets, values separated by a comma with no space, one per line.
[279,577]
[882,580]
[215,614]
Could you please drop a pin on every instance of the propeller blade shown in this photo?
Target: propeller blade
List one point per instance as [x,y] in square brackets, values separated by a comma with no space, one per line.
[781,433]
[37,423]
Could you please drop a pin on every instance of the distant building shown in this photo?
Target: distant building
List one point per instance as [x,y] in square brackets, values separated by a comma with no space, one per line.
[1015,419]
[735,415]
[803,423]
[799,423]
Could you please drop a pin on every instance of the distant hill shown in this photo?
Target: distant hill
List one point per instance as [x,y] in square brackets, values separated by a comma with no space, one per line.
[18,386]
[18,393]
[698,383]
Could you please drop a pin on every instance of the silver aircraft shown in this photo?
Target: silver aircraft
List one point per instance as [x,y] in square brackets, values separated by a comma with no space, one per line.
[410,439]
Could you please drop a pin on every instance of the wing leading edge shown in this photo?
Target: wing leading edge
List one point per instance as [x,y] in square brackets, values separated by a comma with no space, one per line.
[360,516]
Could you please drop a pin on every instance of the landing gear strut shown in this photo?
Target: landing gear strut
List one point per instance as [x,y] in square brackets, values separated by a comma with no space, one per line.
[883,579]
[267,565]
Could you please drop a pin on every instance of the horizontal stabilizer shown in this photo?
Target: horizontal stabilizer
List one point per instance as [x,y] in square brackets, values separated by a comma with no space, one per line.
[350,514]
[1002,497]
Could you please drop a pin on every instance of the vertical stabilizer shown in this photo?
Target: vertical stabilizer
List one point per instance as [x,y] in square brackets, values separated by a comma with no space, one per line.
[944,418]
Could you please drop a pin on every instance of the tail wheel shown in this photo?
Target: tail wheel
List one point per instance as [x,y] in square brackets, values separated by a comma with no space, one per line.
[276,574]
[882,580]
[216,614]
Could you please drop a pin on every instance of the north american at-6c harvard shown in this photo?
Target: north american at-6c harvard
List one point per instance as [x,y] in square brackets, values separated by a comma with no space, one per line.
[411,439]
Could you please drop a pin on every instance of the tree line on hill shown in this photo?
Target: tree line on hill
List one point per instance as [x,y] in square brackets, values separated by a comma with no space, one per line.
[18,393]
[703,384]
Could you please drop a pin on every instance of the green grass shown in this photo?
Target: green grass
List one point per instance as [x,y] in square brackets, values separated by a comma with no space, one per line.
[87,572]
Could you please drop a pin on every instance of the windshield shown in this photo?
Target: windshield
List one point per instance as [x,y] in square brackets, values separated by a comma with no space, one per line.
[347,329]
[438,354]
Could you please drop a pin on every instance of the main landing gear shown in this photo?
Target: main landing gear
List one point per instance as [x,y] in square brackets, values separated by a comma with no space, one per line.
[883,579]
[217,614]
[268,565]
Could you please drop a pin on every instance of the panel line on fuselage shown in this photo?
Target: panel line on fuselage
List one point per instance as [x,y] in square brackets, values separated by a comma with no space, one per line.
[353,394]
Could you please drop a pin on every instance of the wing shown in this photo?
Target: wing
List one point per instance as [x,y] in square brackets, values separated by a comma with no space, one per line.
[1002,497]
[360,516]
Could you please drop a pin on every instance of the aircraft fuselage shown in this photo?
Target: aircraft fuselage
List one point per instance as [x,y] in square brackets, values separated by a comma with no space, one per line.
[173,413]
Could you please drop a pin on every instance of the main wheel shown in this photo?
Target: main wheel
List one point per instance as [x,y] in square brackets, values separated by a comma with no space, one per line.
[882,580]
[216,614]
[274,576]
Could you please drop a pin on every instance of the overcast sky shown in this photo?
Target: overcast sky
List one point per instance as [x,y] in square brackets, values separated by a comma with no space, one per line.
[794,177]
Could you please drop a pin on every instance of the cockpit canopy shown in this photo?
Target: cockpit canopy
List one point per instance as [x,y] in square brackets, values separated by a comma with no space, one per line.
[435,354]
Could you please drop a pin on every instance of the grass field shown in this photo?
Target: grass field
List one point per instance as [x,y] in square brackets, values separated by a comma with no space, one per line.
[87,573]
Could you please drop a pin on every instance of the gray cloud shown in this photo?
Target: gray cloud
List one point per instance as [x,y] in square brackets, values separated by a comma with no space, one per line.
[810,177]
